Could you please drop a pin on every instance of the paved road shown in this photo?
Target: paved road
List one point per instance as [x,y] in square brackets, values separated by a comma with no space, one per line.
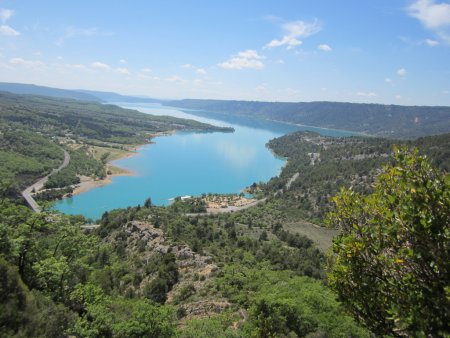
[39,184]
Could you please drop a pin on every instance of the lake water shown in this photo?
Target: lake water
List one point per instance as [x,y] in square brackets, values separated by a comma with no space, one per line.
[190,163]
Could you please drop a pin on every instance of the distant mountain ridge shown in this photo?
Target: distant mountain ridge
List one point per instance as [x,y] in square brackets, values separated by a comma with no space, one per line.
[79,94]
[391,121]
[114,97]
[31,89]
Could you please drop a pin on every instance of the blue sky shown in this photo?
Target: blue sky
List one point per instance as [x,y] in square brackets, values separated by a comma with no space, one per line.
[381,51]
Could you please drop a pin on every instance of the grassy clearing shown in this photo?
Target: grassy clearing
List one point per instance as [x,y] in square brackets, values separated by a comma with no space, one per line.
[108,154]
[321,236]
[113,170]
[113,153]
[254,232]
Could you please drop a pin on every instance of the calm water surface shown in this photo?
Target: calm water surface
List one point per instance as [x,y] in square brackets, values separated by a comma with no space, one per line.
[190,163]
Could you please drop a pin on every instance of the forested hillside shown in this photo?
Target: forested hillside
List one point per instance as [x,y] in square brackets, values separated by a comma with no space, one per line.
[390,121]
[151,271]
[319,166]
[60,117]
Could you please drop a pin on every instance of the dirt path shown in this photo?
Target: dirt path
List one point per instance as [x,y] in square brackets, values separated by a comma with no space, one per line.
[234,208]
[40,183]
[292,180]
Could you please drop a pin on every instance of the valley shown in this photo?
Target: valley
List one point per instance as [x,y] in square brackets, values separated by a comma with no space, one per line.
[225,169]
[223,263]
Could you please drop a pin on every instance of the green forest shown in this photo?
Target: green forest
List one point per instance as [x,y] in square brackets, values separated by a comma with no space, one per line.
[352,239]
[324,165]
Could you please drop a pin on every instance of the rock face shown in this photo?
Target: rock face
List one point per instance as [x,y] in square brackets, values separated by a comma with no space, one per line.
[195,270]
[204,307]
[154,240]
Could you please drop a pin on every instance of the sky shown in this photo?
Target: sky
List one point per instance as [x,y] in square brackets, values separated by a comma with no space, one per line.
[376,51]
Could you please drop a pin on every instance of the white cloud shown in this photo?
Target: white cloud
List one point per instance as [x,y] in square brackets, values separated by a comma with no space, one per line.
[388,80]
[124,71]
[444,36]
[73,32]
[146,70]
[291,42]
[293,32]
[8,31]
[325,48]
[431,42]
[175,79]
[201,71]
[17,61]
[430,14]
[366,94]
[250,54]
[246,59]
[187,65]
[146,76]
[216,83]
[433,16]
[123,61]
[26,63]
[5,14]
[402,72]
[77,66]
[280,62]
[100,65]
[398,97]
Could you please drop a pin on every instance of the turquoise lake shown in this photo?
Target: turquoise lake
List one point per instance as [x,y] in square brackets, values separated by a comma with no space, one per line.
[188,163]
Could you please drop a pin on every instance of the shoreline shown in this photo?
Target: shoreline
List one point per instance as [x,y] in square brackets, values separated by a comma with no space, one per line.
[89,183]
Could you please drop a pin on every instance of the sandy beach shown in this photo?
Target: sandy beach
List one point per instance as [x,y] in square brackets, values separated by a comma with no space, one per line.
[87,183]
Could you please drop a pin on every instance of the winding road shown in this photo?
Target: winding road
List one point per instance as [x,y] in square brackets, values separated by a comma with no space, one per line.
[39,184]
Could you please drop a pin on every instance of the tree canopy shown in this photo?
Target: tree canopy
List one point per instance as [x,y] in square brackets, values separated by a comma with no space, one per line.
[391,261]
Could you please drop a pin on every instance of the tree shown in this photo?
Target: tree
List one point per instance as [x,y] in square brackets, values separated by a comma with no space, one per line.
[28,314]
[157,290]
[104,316]
[264,236]
[391,261]
[148,203]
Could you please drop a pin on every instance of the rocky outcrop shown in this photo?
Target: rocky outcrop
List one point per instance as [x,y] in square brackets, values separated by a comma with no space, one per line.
[204,308]
[195,270]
